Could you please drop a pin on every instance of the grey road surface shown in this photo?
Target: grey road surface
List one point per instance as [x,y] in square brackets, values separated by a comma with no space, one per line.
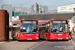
[17,45]
[54,45]
[38,45]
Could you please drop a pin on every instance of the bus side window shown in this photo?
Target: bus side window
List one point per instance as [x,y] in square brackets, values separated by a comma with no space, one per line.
[17,29]
[13,29]
[47,29]
[42,27]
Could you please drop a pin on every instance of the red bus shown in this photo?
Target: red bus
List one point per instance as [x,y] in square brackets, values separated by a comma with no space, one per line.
[54,29]
[25,29]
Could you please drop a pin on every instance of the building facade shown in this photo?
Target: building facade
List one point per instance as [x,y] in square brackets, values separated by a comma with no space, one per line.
[66,9]
[9,9]
[16,11]
[36,8]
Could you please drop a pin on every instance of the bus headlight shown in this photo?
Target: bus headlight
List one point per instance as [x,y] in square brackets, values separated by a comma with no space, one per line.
[67,37]
[37,37]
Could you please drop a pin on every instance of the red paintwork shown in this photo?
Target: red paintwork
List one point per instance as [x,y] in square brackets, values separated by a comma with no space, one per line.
[21,36]
[56,36]
[51,36]
[28,36]
[46,21]
[16,21]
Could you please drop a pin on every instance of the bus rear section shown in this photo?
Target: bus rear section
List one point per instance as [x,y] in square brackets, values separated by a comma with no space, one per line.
[44,27]
[29,29]
[15,29]
[59,29]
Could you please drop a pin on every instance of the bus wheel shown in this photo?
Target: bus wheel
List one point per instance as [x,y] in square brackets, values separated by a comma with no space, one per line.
[46,37]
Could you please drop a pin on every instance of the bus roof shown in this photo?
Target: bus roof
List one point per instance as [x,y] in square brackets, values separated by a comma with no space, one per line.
[46,21]
[17,21]
[59,19]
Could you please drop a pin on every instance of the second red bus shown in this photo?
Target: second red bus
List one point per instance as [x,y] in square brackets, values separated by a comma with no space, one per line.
[54,29]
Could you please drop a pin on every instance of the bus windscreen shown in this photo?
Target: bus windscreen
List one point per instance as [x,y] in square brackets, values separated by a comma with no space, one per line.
[59,26]
[28,26]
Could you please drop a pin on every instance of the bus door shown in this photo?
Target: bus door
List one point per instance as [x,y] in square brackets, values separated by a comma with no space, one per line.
[42,30]
[47,31]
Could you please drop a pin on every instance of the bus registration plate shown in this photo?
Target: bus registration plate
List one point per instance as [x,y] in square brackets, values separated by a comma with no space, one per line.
[29,39]
[59,38]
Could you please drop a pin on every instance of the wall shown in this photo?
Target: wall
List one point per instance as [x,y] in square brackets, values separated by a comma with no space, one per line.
[47,16]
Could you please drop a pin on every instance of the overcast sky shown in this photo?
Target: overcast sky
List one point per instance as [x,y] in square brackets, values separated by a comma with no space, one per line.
[52,4]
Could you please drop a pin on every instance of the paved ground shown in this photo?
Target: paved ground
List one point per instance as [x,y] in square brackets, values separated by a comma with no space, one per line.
[37,45]
[17,45]
[54,45]
[73,38]
[2,42]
